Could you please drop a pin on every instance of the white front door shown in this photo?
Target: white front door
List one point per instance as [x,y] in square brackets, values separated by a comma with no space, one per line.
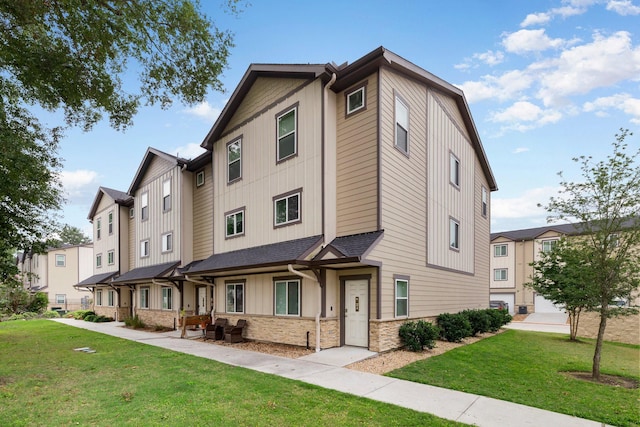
[356,316]
[202,300]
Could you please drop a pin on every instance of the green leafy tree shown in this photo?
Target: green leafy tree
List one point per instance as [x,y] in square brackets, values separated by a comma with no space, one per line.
[72,56]
[71,235]
[562,276]
[605,208]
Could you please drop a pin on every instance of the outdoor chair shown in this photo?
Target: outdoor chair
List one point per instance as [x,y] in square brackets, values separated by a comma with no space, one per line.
[215,331]
[233,334]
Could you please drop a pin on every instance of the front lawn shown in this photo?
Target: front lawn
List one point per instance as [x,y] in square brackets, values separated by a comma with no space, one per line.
[43,381]
[531,368]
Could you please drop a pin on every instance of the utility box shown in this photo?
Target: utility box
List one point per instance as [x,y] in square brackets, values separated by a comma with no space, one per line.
[522,309]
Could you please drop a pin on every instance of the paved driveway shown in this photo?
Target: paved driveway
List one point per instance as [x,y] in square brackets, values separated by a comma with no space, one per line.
[543,322]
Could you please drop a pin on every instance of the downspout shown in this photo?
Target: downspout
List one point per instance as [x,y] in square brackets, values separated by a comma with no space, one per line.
[313,279]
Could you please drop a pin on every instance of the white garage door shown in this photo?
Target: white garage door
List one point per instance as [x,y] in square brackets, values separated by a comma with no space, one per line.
[543,305]
[508,298]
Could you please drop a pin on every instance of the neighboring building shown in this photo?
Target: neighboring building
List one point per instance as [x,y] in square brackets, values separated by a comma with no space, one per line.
[33,269]
[66,266]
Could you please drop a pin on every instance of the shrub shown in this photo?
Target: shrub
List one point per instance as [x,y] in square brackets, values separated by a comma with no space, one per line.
[103,319]
[38,302]
[50,314]
[418,335]
[78,314]
[498,318]
[479,320]
[86,314]
[454,327]
[90,318]
[134,322]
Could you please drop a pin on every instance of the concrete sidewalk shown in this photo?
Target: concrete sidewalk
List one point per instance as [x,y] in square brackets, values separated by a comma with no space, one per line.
[543,322]
[444,403]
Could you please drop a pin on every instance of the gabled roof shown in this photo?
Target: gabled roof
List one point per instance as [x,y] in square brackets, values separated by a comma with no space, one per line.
[347,75]
[146,161]
[119,197]
[145,274]
[97,279]
[568,229]
[353,246]
[282,253]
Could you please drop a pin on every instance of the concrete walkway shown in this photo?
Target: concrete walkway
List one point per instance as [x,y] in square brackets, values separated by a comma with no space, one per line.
[453,405]
[543,322]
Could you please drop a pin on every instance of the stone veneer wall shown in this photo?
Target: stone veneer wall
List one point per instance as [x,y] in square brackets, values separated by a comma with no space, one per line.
[624,329]
[166,318]
[384,334]
[116,313]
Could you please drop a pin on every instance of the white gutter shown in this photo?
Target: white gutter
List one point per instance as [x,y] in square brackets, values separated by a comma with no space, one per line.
[313,279]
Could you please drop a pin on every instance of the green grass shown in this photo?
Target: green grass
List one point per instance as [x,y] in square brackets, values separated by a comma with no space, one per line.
[44,382]
[530,368]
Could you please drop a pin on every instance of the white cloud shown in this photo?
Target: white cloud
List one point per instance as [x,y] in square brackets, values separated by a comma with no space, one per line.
[524,206]
[623,7]
[79,186]
[490,57]
[189,151]
[509,85]
[524,115]
[621,101]
[520,150]
[205,111]
[535,19]
[524,41]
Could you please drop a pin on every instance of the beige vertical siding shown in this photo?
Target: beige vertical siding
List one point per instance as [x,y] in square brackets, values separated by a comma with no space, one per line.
[203,217]
[184,204]
[106,242]
[449,105]
[262,178]
[123,239]
[265,90]
[507,262]
[357,163]
[132,238]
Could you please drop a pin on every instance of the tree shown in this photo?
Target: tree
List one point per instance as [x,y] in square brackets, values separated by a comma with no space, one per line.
[70,235]
[72,55]
[561,276]
[605,209]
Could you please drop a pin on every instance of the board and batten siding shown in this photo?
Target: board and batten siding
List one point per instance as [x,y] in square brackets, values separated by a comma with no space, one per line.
[263,178]
[357,163]
[122,258]
[417,200]
[203,216]
[107,242]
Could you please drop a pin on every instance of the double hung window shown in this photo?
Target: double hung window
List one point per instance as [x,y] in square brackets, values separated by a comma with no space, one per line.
[235,297]
[287,134]
[287,209]
[287,298]
[234,160]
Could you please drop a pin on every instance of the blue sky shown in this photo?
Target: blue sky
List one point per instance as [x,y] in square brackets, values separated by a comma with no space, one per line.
[546,81]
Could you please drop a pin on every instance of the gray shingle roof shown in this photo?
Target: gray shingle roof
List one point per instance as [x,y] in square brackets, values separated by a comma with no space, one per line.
[356,245]
[146,273]
[97,279]
[274,254]
[568,229]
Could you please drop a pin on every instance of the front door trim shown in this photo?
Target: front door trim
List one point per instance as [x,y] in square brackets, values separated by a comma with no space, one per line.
[343,281]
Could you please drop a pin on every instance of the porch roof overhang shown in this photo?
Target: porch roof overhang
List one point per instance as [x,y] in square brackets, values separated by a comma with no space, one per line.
[97,279]
[147,274]
[349,251]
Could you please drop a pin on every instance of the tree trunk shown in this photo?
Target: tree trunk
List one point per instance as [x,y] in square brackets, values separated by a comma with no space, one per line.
[574,317]
[595,371]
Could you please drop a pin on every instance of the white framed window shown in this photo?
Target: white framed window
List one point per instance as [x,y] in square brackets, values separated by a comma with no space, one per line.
[287,134]
[454,234]
[144,297]
[132,213]
[167,242]
[110,257]
[99,229]
[111,298]
[99,297]
[402,296]
[548,245]
[144,206]
[61,260]
[402,126]
[98,260]
[484,202]
[110,222]
[454,170]
[500,274]
[235,297]
[167,298]
[200,179]
[356,100]
[234,223]
[234,160]
[61,298]
[144,248]
[499,250]
[287,208]
[166,195]
[287,297]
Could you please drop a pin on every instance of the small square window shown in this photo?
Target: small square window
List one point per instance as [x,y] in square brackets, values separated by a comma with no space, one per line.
[356,100]
[200,179]
[61,298]
[548,245]
[500,274]
[287,134]
[167,242]
[454,234]
[287,209]
[500,250]
[61,260]
[235,224]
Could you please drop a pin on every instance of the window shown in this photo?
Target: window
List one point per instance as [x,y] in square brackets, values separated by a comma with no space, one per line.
[98,260]
[110,257]
[454,170]
[99,297]
[167,242]
[167,298]
[235,297]
[500,274]
[613,240]
[99,229]
[110,223]
[287,208]
[287,140]
[144,297]
[402,126]
[111,298]
[547,245]
[235,223]
[166,195]
[500,250]
[234,160]
[144,248]
[356,100]
[454,234]
[144,206]
[61,298]
[402,297]
[200,179]
[484,201]
[287,298]
[61,260]
[132,212]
